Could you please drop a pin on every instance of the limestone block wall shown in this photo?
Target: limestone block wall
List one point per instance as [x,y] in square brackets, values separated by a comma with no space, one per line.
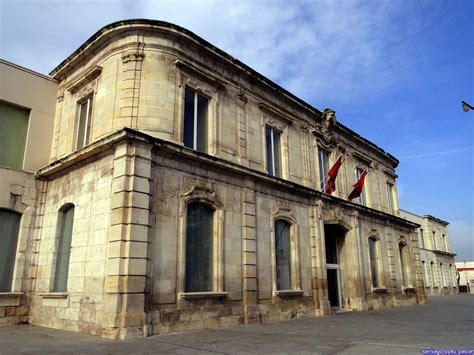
[18,193]
[137,76]
[80,308]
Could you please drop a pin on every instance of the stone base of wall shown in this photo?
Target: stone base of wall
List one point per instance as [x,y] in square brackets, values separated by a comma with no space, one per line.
[441,291]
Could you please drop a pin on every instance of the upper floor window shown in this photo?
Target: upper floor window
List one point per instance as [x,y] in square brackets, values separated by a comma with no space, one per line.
[374,253]
[9,228]
[391,208]
[83,125]
[13,130]
[323,159]
[362,198]
[199,248]
[422,240]
[434,240]
[445,243]
[283,255]
[272,139]
[66,220]
[195,121]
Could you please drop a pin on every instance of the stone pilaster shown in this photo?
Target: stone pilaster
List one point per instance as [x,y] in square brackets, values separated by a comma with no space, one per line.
[318,261]
[124,305]
[249,251]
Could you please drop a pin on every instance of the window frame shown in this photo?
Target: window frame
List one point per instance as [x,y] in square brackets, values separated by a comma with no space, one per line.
[275,149]
[404,260]
[295,271]
[89,99]
[202,147]
[390,197]
[60,268]
[208,197]
[10,268]
[378,277]
[323,166]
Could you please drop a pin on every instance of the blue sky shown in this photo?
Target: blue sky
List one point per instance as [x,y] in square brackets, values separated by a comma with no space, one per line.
[394,71]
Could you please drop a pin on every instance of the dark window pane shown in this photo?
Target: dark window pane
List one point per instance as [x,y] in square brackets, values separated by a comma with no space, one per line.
[64,249]
[283,255]
[9,227]
[268,143]
[81,125]
[202,124]
[331,249]
[13,130]
[188,137]
[323,166]
[333,287]
[374,262]
[276,153]
[199,255]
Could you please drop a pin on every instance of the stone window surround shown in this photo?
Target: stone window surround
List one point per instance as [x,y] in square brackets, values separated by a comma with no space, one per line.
[281,128]
[287,216]
[410,287]
[208,91]
[208,197]
[379,267]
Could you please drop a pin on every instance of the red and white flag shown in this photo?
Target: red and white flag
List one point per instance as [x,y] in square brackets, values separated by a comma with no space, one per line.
[332,173]
[358,186]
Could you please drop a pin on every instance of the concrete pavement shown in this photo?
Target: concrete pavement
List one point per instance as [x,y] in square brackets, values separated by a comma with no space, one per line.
[444,322]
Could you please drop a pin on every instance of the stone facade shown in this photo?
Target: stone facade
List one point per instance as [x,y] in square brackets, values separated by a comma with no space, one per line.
[135,179]
[437,259]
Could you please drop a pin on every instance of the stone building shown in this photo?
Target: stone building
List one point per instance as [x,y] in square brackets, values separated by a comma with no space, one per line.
[437,259]
[184,191]
[27,101]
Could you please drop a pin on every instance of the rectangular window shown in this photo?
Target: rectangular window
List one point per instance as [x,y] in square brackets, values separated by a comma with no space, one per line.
[13,130]
[195,121]
[445,243]
[84,116]
[272,139]
[391,208]
[9,228]
[422,241]
[362,199]
[283,255]
[434,240]
[323,159]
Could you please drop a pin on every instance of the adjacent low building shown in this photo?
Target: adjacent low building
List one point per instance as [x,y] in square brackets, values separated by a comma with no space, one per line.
[437,259]
[465,276]
[184,191]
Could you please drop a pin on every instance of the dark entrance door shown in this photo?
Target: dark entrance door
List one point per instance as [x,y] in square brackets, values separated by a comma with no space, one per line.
[332,239]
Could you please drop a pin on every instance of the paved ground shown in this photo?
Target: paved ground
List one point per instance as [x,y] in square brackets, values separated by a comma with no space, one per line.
[444,322]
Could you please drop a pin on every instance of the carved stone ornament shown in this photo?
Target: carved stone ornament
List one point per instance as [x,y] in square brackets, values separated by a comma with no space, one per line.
[329,118]
[285,212]
[275,124]
[205,194]
[242,97]
[60,96]
[136,56]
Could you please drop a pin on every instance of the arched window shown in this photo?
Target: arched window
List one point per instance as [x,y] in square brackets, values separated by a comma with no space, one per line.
[283,255]
[66,220]
[9,227]
[374,253]
[404,264]
[199,248]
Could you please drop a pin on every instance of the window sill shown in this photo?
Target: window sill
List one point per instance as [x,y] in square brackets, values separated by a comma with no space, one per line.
[10,298]
[201,295]
[379,289]
[53,295]
[288,293]
[409,289]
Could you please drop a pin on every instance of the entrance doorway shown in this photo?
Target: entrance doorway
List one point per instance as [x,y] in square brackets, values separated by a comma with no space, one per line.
[334,239]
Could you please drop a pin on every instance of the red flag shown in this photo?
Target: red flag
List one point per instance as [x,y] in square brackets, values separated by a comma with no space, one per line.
[331,185]
[358,186]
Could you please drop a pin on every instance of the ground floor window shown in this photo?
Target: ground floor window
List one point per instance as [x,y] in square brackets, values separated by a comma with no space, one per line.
[9,228]
[283,255]
[199,248]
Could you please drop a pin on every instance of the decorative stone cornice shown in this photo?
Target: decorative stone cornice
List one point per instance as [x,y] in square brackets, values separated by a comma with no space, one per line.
[82,79]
